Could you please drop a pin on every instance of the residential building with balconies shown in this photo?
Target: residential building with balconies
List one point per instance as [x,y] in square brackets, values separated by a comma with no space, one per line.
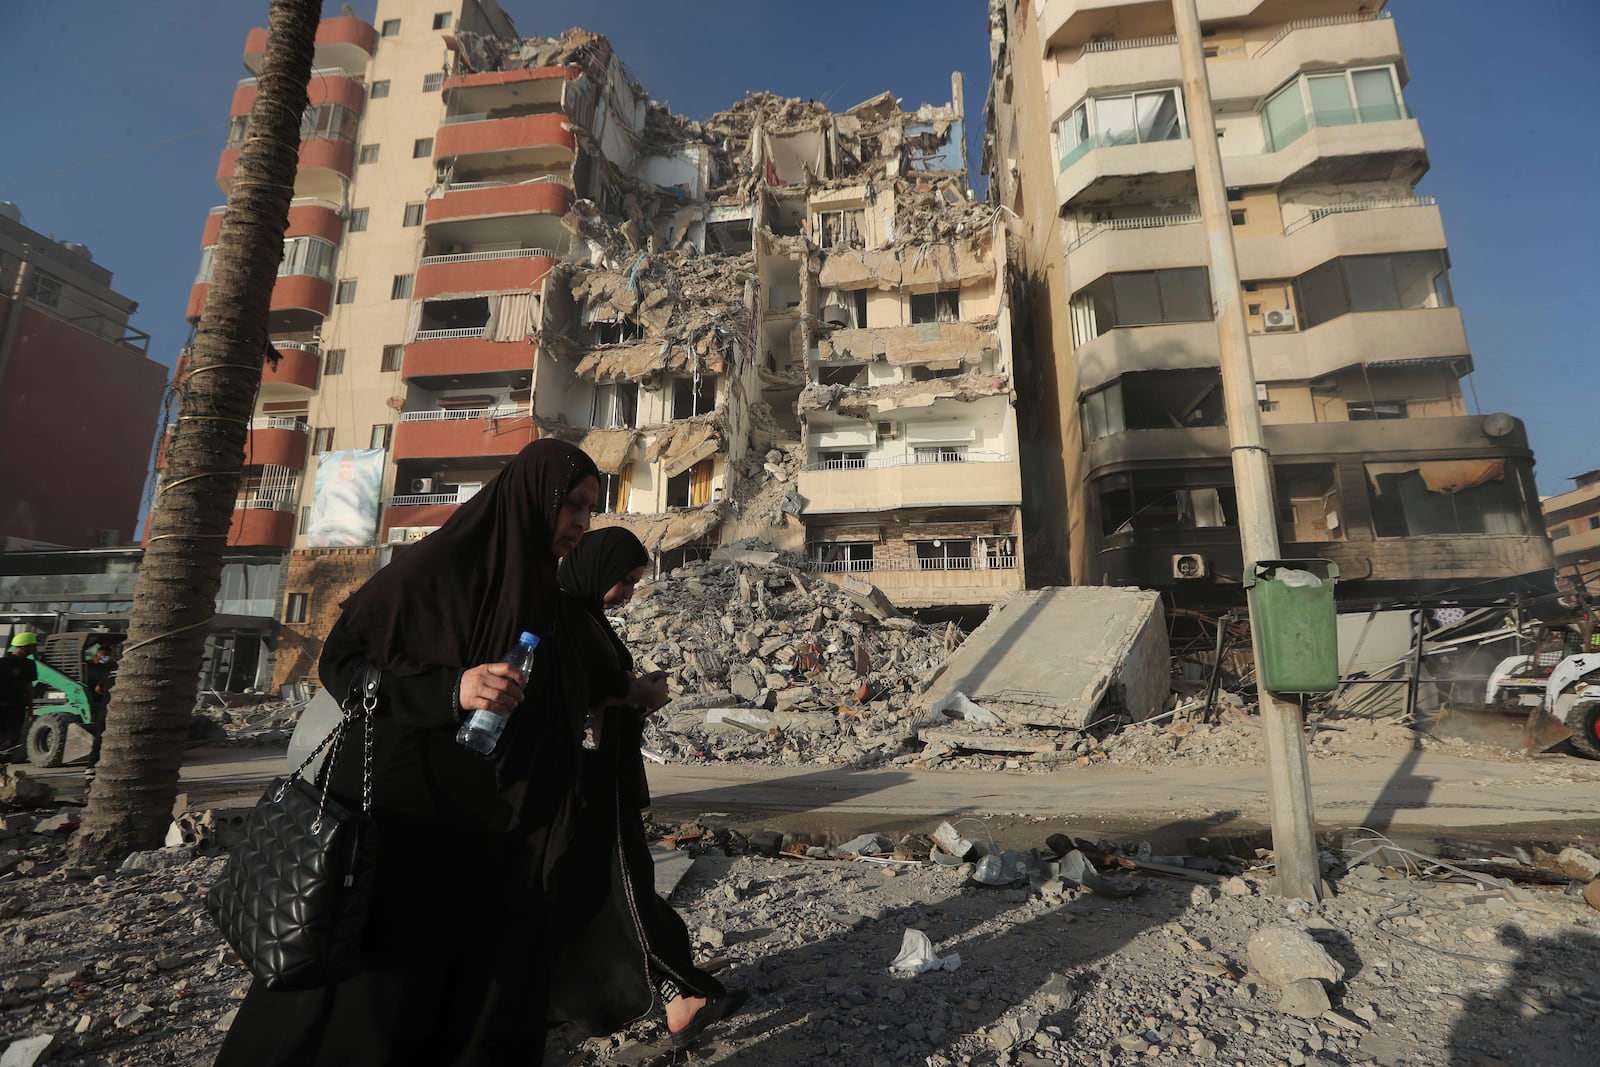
[1573,522]
[1359,350]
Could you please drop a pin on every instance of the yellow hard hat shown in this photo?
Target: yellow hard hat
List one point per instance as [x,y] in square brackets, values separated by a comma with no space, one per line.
[24,639]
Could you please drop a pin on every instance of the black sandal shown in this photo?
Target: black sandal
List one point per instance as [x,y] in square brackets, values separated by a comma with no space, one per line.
[724,1007]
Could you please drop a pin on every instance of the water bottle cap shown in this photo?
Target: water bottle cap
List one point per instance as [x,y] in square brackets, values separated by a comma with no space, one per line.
[529,639]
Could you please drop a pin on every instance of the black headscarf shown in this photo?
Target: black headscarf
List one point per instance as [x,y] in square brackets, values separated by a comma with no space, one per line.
[460,596]
[602,559]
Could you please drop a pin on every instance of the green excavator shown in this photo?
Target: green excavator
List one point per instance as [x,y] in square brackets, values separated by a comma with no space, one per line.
[64,695]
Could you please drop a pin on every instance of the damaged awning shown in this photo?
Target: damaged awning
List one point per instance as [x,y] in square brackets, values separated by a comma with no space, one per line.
[1445,476]
[664,532]
[682,445]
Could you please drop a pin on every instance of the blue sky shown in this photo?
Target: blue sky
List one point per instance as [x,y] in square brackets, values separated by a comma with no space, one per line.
[128,107]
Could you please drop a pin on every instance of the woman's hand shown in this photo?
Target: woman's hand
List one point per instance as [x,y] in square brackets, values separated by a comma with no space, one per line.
[649,691]
[491,687]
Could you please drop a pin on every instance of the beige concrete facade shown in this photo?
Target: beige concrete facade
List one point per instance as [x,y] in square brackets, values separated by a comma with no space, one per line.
[1573,522]
[1345,274]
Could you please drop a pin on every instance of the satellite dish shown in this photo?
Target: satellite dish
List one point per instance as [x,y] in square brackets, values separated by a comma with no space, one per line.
[1499,424]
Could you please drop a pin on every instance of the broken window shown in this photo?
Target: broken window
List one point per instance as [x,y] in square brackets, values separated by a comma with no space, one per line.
[837,229]
[616,406]
[854,374]
[1308,502]
[997,553]
[921,373]
[691,488]
[1155,400]
[940,453]
[694,396]
[943,306]
[842,459]
[839,556]
[1148,504]
[470,313]
[1141,298]
[1466,496]
[615,331]
[1393,282]
[734,235]
[944,554]
[1375,409]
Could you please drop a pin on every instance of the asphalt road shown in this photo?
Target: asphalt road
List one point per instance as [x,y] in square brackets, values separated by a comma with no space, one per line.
[1415,795]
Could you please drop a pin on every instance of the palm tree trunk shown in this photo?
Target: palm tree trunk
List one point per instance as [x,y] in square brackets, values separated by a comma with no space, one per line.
[137,778]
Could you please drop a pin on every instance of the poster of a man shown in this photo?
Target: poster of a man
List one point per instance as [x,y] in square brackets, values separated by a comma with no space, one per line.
[344,502]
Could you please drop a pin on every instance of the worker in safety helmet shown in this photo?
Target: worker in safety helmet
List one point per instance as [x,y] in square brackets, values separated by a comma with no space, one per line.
[18,673]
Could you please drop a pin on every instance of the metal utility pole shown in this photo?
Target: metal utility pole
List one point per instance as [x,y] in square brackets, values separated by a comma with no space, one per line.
[1288,779]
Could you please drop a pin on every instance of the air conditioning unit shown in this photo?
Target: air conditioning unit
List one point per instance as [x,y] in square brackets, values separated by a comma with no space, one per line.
[887,431]
[1189,565]
[399,535]
[467,490]
[422,485]
[1280,319]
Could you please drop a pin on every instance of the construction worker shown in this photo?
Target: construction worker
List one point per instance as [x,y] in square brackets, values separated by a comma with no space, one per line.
[98,668]
[18,673]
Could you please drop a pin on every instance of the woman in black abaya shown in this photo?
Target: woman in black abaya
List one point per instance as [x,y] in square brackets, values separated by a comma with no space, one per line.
[468,846]
[621,961]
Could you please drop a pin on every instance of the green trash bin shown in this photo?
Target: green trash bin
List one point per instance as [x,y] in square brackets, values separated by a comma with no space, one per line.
[1291,601]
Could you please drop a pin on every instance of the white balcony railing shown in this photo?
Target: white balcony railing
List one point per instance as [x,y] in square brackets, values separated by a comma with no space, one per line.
[279,422]
[296,346]
[504,411]
[1319,213]
[874,463]
[266,500]
[504,253]
[1147,222]
[299,201]
[1132,42]
[414,500]
[1322,20]
[459,187]
[450,335]
[939,563]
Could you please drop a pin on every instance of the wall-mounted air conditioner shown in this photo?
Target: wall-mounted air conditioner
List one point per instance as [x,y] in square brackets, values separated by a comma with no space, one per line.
[887,431]
[1280,319]
[399,535]
[422,485]
[1189,565]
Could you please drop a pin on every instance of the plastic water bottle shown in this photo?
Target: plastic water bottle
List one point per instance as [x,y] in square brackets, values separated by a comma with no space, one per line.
[481,733]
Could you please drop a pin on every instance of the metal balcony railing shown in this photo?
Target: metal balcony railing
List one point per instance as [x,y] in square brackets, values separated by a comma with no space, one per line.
[1132,42]
[1319,213]
[1148,222]
[911,460]
[279,422]
[477,257]
[504,411]
[266,500]
[297,346]
[1322,20]
[412,500]
[450,335]
[939,563]
[459,187]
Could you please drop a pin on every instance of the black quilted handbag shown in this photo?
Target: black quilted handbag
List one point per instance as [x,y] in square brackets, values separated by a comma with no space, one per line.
[293,896]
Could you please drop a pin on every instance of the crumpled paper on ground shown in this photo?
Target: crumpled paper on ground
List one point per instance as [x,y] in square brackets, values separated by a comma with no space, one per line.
[917,955]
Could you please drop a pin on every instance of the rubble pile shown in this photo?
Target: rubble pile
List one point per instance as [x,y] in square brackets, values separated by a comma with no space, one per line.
[774,665]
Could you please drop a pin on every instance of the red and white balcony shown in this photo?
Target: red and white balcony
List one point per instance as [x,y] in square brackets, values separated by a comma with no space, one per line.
[438,433]
[470,273]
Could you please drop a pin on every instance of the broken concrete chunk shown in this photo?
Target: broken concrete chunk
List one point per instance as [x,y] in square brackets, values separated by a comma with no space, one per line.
[956,705]
[873,843]
[1282,954]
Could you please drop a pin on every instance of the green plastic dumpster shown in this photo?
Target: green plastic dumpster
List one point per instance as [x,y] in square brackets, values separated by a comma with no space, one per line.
[1291,601]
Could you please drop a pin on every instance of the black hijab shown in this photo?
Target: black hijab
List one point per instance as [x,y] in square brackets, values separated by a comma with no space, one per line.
[602,559]
[460,596]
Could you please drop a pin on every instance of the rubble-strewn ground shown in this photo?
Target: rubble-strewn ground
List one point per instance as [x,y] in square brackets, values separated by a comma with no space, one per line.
[124,968]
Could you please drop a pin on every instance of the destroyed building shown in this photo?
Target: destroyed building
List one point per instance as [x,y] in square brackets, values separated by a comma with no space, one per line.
[1359,350]
[496,238]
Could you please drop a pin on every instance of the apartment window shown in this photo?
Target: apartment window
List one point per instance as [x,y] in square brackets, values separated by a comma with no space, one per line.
[940,453]
[369,154]
[944,554]
[1375,409]
[379,90]
[299,605]
[422,147]
[842,459]
[1333,98]
[1153,505]
[1399,281]
[328,122]
[1236,217]
[308,255]
[393,355]
[333,361]
[400,288]
[692,488]
[432,83]
[238,128]
[616,406]
[45,289]
[391,27]
[1558,532]
[441,21]
[305,519]
[837,556]
[1465,496]
[614,492]
[1308,502]
[691,397]
[943,306]
[380,436]
[346,292]
[413,216]
[1141,298]
[358,220]
[322,439]
[1125,119]
[1594,522]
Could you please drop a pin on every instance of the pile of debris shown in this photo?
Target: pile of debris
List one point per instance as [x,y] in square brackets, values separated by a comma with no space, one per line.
[774,665]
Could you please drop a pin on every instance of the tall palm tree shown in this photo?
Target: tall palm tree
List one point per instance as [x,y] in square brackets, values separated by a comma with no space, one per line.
[137,779]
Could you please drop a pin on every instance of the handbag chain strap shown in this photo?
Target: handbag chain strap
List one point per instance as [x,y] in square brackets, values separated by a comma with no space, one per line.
[367,688]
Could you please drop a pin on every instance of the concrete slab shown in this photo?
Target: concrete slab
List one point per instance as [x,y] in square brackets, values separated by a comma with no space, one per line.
[1064,657]
[671,866]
